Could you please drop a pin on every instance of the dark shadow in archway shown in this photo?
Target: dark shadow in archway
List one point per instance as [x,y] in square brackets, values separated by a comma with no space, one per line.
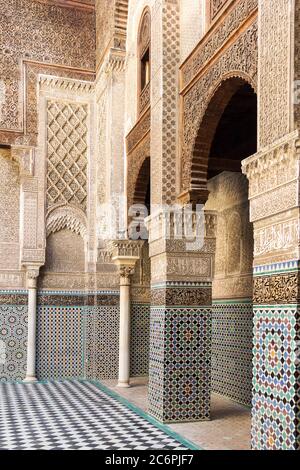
[228,135]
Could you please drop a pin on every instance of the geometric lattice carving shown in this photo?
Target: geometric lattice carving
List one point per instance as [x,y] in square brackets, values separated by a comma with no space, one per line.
[67,154]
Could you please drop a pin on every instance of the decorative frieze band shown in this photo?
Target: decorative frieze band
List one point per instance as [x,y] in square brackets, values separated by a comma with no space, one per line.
[276,289]
[273,166]
[181,296]
[50,83]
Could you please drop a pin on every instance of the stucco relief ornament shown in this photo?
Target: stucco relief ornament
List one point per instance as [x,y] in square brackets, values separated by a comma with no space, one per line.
[25,158]
[32,275]
[126,271]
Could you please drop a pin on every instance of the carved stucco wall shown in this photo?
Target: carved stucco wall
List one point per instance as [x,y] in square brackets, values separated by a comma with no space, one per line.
[104,25]
[274,78]
[135,10]
[238,59]
[37,38]
[65,252]
[10,212]
[232,317]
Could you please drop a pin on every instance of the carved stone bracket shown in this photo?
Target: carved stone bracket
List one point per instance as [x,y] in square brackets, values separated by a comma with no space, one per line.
[125,249]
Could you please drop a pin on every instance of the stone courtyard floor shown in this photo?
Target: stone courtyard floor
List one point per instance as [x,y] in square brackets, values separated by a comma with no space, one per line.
[76,415]
[229,428]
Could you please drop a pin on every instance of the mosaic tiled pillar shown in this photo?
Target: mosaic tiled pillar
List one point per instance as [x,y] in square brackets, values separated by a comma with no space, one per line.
[274,210]
[180,330]
[276,398]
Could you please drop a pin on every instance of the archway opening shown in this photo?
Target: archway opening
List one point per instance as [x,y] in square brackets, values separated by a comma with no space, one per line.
[140,208]
[231,137]
[236,134]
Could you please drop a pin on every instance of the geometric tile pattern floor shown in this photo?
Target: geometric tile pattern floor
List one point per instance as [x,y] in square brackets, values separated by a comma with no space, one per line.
[73,415]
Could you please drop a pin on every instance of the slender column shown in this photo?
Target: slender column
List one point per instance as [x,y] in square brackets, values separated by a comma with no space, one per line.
[125,254]
[124,343]
[32,276]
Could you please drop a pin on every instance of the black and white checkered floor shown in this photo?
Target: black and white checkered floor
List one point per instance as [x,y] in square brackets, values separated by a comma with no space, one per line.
[73,415]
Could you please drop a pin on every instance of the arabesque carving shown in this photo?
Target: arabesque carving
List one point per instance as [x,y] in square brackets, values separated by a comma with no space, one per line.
[239,60]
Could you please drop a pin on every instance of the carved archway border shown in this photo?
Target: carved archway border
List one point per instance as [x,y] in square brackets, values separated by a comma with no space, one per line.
[238,61]
[135,162]
[218,100]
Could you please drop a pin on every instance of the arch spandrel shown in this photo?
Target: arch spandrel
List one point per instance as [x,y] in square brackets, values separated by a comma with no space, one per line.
[238,62]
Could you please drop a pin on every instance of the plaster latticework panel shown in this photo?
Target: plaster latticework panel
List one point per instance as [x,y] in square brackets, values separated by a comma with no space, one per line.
[67,154]
[165,59]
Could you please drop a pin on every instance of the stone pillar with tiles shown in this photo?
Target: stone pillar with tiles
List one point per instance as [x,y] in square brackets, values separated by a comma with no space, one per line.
[180,326]
[274,211]
[181,315]
[273,175]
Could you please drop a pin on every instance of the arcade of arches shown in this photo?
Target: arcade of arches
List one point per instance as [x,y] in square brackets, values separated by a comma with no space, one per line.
[161,104]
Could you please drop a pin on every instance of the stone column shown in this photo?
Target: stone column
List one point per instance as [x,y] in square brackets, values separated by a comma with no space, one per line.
[126,271]
[180,324]
[125,254]
[32,276]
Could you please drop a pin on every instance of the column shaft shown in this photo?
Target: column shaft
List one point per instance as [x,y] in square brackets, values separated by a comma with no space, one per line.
[31,341]
[124,344]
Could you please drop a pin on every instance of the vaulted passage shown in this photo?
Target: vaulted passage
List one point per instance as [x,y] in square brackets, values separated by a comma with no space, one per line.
[236,134]
[235,138]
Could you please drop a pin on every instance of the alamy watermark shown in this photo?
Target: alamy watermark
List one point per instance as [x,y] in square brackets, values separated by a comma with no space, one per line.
[167,221]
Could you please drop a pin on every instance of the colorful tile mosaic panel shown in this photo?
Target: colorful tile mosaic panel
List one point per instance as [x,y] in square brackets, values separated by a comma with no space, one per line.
[13,342]
[139,340]
[232,344]
[60,332]
[102,342]
[180,363]
[276,400]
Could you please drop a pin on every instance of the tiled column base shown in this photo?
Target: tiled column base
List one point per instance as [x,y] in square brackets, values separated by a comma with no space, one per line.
[276,381]
[180,353]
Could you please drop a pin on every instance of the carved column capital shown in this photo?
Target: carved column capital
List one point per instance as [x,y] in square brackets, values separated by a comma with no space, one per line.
[125,254]
[32,274]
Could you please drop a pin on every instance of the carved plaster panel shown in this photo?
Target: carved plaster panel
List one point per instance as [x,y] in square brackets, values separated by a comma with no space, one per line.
[239,60]
[31,44]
